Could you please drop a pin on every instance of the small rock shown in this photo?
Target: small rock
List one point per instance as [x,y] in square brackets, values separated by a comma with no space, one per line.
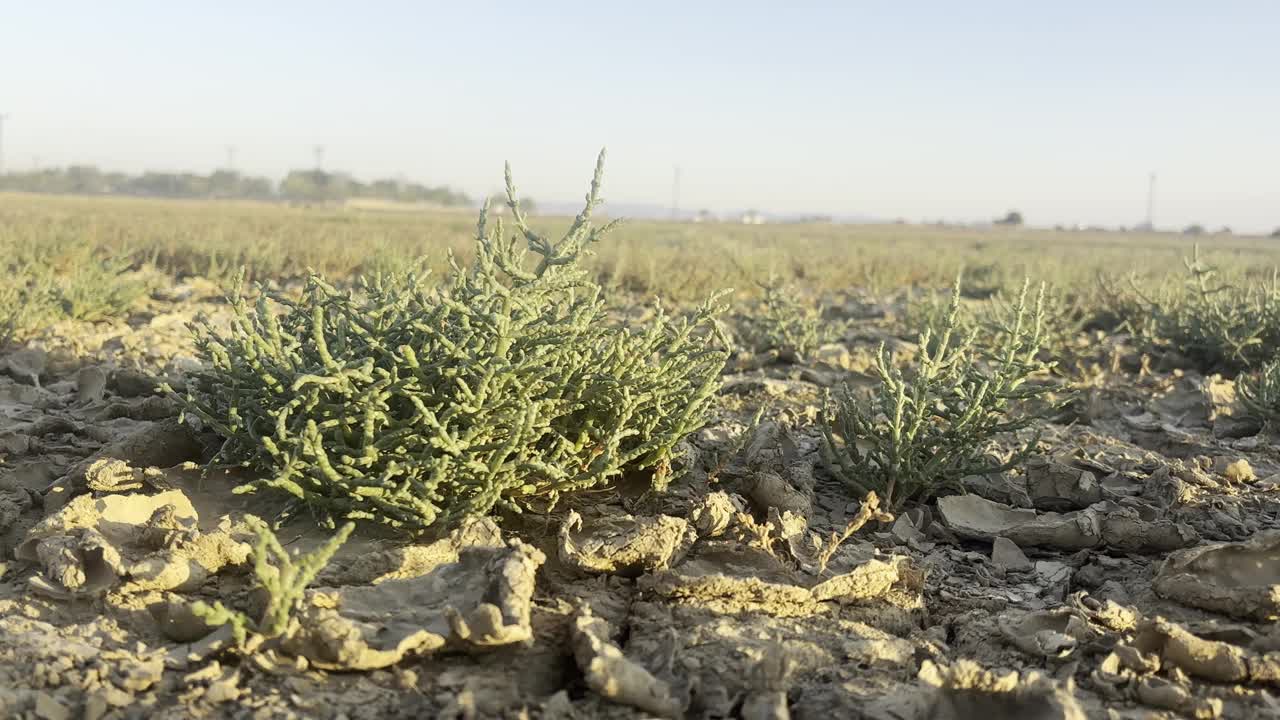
[206,674]
[613,675]
[224,688]
[14,443]
[131,383]
[48,708]
[771,490]
[626,544]
[1113,591]
[1161,693]
[1237,428]
[1054,572]
[91,383]
[998,487]
[27,365]
[111,475]
[1240,579]
[905,530]
[1006,554]
[715,512]
[111,697]
[558,707]
[95,707]
[407,679]
[178,622]
[1060,487]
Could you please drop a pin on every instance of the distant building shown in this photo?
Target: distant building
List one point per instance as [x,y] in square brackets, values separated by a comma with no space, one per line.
[752,217]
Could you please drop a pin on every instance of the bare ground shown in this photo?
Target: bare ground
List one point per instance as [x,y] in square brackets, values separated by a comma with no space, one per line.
[1130,571]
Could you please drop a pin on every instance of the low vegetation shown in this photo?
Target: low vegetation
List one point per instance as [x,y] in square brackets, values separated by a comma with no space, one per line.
[921,430]
[47,282]
[1260,392]
[782,323]
[1219,325]
[483,382]
[411,405]
[283,576]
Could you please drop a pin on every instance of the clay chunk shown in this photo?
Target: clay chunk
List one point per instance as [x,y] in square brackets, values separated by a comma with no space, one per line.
[1239,579]
[481,601]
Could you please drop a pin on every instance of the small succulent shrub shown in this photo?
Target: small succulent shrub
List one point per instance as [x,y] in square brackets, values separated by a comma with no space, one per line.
[921,431]
[1260,392]
[22,306]
[413,405]
[28,293]
[922,308]
[929,310]
[96,289]
[1112,305]
[42,285]
[987,279]
[1218,326]
[1065,316]
[781,323]
[1066,319]
[284,577]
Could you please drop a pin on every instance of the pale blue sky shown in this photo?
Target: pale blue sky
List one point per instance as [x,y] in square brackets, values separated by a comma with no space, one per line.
[922,110]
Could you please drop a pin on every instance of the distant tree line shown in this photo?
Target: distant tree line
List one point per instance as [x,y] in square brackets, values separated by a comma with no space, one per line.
[311,186]
[498,204]
[1012,218]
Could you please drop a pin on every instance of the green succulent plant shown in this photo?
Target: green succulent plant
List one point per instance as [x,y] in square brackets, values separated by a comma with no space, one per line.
[1219,326]
[416,405]
[283,576]
[782,323]
[922,430]
[1260,392]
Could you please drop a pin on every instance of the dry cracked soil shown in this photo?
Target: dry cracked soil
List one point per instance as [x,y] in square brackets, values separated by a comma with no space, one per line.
[1131,569]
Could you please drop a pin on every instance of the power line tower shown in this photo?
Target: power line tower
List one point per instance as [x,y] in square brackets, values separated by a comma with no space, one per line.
[3,117]
[319,153]
[231,157]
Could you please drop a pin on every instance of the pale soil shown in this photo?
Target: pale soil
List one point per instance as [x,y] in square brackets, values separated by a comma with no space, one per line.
[709,600]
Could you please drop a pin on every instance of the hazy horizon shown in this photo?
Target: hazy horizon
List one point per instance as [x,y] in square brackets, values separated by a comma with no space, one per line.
[923,111]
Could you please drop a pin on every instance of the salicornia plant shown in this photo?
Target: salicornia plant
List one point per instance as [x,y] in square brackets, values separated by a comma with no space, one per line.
[782,323]
[412,405]
[1218,326]
[921,431]
[1260,392]
[283,576]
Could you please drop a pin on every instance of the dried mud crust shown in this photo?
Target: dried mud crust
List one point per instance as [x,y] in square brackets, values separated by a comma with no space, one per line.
[1130,570]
